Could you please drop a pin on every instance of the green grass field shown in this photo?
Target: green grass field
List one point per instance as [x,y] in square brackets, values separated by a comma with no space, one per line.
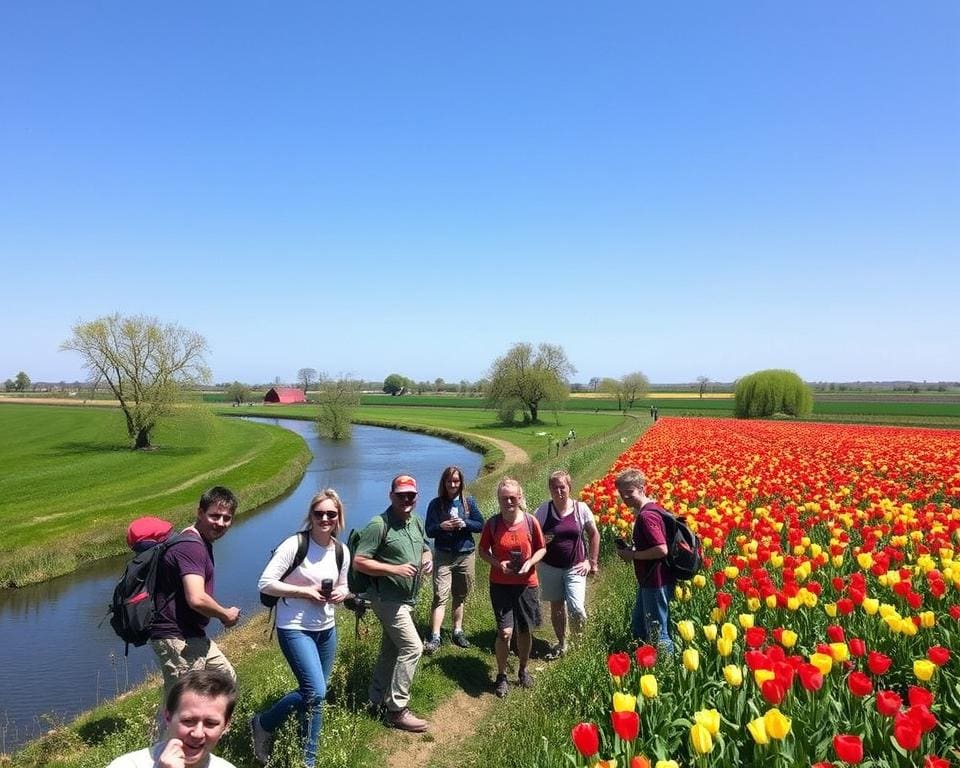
[73,480]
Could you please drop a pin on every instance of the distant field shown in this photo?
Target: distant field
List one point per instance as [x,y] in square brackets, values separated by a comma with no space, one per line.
[71,484]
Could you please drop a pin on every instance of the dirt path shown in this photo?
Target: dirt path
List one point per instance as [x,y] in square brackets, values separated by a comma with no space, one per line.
[512,454]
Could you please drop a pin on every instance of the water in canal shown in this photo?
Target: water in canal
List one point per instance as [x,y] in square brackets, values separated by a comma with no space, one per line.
[54,659]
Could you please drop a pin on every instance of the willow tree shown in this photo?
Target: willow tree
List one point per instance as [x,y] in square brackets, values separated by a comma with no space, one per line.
[524,378]
[338,400]
[765,393]
[146,364]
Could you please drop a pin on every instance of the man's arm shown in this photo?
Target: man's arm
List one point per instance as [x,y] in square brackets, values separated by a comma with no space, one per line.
[656,552]
[201,602]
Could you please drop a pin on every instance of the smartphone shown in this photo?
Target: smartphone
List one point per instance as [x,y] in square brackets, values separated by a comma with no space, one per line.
[326,587]
[516,559]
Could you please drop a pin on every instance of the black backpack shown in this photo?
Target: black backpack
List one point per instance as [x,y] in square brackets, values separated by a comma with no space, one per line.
[303,544]
[684,548]
[134,603]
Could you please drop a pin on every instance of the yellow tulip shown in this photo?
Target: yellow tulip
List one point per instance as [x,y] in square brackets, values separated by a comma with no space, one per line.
[822,662]
[865,560]
[908,628]
[770,601]
[788,638]
[923,669]
[928,619]
[733,675]
[724,647]
[667,764]
[710,632]
[793,603]
[830,609]
[893,622]
[691,659]
[839,651]
[700,739]
[753,603]
[709,719]
[728,632]
[624,702]
[887,610]
[758,729]
[808,598]
[746,620]
[699,580]
[717,614]
[870,605]
[611,763]
[760,676]
[686,630]
[648,686]
[777,723]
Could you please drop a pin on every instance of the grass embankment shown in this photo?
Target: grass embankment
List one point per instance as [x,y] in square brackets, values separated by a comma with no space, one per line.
[350,737]
[73,484]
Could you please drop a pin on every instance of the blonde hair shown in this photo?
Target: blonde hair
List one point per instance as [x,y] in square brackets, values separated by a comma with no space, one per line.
[326,493]
[631,478]
[509,482]
[560,474]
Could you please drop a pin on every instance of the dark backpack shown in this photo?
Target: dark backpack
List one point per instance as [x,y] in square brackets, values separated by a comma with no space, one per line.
[303,544]
[134,603]
[684,548]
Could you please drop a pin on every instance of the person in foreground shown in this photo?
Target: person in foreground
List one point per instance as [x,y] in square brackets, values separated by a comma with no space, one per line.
[452,519]
[650,621]
[197,714]
[306,625]
[185,587]
[513,544]
[563,572]
[393,551]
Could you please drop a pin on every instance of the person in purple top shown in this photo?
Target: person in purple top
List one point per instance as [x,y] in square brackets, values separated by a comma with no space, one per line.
[185,582]
[564,569]
[650,620]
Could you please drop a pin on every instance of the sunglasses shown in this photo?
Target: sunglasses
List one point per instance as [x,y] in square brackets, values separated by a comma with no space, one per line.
[512,499]
[322,515]
[406,496]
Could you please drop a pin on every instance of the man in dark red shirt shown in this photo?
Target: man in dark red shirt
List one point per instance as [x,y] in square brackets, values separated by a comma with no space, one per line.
[650,621]
[185,594]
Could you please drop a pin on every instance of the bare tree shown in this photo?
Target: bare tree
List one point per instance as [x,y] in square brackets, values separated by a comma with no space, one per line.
[145,363]
[635,385]
[306,377]
[614,387]
[703,381]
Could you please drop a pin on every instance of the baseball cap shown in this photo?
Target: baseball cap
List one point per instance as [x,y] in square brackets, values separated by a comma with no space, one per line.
[404,484]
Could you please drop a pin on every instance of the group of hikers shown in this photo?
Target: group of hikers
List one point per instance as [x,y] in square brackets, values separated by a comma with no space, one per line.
[543,556]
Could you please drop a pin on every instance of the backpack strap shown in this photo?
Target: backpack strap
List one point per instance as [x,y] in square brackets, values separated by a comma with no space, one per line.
[338,553]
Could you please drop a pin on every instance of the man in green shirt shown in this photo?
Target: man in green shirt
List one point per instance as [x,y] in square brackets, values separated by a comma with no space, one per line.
[396,563]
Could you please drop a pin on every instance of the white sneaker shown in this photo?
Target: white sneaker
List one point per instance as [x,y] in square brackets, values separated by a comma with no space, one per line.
[261,740]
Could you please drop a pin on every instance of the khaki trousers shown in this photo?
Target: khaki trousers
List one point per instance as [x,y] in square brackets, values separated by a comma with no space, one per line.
[400,651]
[177,656]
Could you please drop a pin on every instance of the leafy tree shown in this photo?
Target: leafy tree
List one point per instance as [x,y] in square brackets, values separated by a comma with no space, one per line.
[635,385]
[306,377]
[238,392]
[338,399]
[594,383]
[614,387]
[394,384]
[438,384]
[526,377]
[9,385]
[765,393]
[21,382]
[703,381]
[145,363]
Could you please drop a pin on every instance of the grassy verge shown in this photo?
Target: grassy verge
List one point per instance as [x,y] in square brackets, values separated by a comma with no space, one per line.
[77,485]
[350,737]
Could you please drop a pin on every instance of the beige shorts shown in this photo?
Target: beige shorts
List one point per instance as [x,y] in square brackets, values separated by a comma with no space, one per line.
[177,656]
[452,573]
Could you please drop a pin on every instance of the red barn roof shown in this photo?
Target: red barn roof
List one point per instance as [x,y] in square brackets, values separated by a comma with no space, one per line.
[284,395]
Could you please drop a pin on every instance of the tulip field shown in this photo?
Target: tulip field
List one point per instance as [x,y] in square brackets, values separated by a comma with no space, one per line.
[824,626]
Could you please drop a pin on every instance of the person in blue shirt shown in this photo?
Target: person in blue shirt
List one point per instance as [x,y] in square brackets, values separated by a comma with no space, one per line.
[452,519]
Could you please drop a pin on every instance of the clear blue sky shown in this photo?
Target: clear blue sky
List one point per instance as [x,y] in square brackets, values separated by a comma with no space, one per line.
[683,189]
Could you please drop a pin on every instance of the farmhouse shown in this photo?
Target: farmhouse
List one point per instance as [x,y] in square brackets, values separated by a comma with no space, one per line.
[284,395]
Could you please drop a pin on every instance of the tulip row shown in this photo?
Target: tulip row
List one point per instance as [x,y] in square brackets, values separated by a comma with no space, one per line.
[821,627]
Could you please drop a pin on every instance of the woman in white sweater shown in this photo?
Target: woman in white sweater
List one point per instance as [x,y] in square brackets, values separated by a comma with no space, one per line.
[306,629]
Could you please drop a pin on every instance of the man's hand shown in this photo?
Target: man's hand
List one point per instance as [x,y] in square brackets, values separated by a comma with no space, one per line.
[405,571]
[232,617]
[625,554]
[427,566]
[339,594]
[172,755]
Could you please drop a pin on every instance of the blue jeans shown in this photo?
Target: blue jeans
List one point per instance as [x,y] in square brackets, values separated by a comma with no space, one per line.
[650,621]
[310,656]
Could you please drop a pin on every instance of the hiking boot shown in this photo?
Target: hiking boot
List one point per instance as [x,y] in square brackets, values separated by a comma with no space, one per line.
[405,720]
[460,639]
[555,653]
[261,740]
[431,645]
[501,686]
[524,680]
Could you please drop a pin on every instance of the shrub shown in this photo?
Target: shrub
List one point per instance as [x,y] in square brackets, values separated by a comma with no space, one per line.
[764,393]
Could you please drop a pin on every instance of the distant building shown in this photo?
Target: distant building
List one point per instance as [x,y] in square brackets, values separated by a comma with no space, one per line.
[284,395]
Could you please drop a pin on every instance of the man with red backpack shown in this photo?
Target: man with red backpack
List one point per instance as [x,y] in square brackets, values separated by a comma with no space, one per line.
[185,602]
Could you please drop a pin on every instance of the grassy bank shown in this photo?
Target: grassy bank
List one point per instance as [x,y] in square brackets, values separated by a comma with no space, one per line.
[76,485]
[350,737]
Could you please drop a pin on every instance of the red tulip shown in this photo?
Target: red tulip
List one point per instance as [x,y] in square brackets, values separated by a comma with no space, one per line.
[935,762]
[755,637]
[845,606]
[923,717]
[938,655]
[586,738]
[857,646]
[919,697]
[859,684]
[888,703]
[906,731]
[618,664]
[878,663]
[849,748]
[626,724]
[646,656]
[810,677]
[724,600]
[773,691]
[835,633]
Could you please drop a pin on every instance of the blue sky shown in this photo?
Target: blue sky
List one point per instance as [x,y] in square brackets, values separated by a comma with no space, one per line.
[683,189]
